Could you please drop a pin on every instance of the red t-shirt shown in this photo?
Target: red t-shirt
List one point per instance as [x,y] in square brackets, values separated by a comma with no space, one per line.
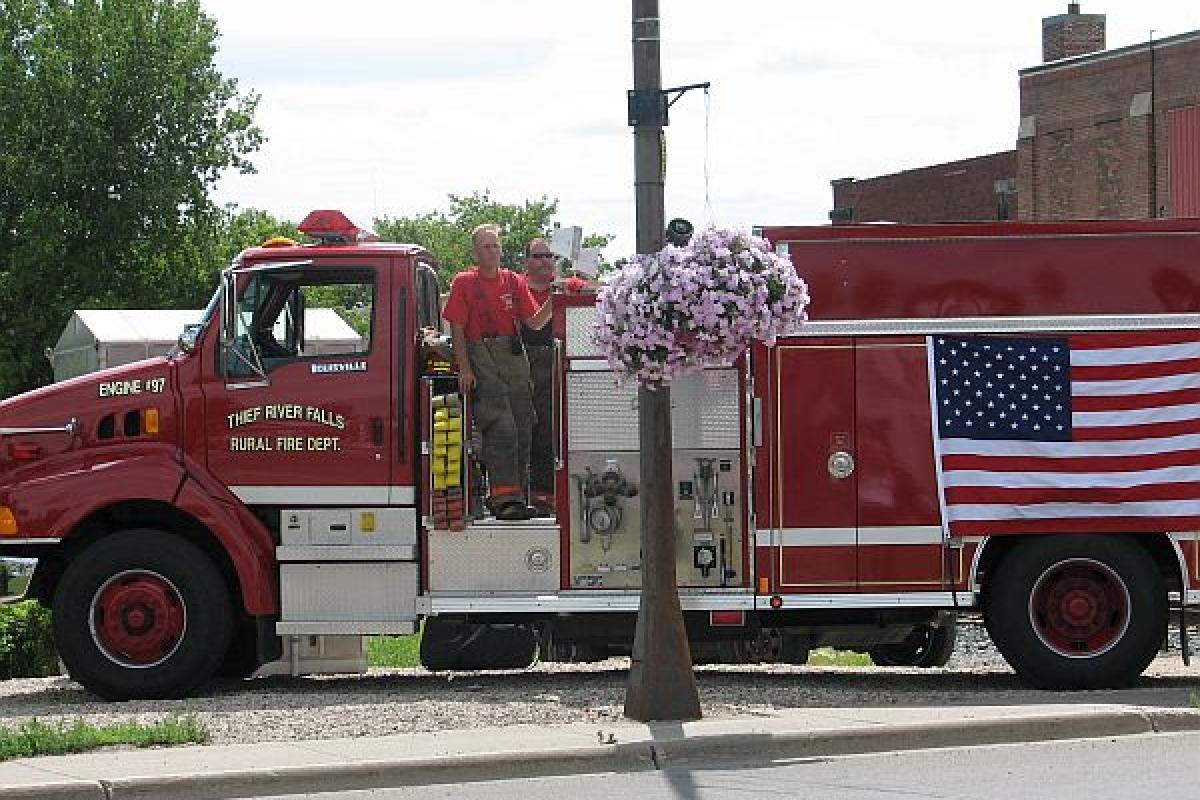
[488,306]
[569,285]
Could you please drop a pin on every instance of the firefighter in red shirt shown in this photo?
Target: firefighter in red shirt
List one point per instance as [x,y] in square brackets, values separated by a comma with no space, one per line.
[539,343]
[486,308]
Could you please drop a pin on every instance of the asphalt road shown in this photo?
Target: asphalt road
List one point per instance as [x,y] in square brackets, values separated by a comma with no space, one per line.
[1153,767]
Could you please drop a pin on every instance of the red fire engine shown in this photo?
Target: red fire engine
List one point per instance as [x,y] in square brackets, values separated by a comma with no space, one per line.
[978,419]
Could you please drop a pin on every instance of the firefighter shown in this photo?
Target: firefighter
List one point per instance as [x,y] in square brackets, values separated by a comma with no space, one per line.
[539,344]
[486,308]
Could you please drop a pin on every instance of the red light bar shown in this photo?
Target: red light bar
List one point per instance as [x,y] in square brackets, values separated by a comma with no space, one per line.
[334,227]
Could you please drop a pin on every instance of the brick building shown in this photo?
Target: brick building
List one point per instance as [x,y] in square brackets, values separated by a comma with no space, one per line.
[979,188]
[1088,146]
[1112,134]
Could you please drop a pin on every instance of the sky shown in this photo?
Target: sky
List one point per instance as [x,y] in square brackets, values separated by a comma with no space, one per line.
[384,107]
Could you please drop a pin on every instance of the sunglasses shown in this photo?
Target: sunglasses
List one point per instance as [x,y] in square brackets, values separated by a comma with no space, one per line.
[541,255]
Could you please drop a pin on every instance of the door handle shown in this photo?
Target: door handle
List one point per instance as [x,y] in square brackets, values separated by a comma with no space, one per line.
[841,465]
[377,431]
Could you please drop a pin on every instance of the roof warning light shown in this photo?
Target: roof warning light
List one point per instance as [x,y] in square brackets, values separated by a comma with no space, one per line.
[334,227]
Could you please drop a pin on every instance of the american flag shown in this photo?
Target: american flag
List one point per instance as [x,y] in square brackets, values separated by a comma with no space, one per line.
[1081,432]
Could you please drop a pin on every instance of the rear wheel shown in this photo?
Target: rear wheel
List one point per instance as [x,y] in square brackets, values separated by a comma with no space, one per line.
[771,646]
[141,614]
[1078,612]
[927,646]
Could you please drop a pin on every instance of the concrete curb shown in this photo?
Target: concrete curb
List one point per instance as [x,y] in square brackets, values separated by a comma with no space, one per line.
[924,736]
[385,774]
[64,790]
[667,746]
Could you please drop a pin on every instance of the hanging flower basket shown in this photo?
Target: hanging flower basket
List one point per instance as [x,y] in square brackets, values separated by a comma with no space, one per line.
[685,308]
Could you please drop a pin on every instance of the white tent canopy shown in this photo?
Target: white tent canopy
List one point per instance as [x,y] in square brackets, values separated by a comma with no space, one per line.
[98,338]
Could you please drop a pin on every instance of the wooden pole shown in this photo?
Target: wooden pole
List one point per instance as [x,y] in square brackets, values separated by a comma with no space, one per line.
[661,682]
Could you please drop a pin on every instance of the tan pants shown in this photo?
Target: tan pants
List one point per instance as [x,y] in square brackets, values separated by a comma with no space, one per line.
[504,413]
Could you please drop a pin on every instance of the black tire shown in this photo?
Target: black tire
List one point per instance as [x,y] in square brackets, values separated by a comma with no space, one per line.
[1077,612]
[449,644]
[927,646]
[772,646]
[241,659]
[142,614]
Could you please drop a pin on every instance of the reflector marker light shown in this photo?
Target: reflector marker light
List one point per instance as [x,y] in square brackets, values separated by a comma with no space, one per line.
[24,451]
[732,618]
[8,522]
[334,227]
[150,421]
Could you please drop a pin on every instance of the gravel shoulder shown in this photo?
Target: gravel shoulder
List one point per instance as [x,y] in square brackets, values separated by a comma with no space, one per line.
[386,702]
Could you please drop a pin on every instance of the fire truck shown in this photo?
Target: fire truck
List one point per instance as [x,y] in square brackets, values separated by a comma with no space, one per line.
[997,420]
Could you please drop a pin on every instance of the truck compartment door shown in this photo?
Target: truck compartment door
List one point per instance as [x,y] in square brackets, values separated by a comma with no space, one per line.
[806,484]
[900,545]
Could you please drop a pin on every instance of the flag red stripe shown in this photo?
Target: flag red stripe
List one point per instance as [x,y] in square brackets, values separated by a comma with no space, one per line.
[1127,432]
[1133,402]
[1073,525]
[1179,458]
[1114,341]
[1002,495]
[1124,372]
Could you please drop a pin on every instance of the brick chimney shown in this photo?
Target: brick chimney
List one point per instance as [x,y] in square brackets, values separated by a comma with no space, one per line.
[1071,34]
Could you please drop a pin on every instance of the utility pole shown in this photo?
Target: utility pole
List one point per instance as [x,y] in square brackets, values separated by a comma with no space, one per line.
[661,682]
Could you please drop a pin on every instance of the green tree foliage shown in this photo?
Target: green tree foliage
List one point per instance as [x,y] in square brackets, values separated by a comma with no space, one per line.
[26,642]
[115,126]
[447,234]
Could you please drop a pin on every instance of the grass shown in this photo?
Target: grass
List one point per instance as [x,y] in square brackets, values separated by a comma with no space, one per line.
[394,651]
[404,651]
[35,738]
[828,657]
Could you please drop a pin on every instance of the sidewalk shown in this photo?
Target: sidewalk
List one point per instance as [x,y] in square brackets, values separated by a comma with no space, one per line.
[462,756]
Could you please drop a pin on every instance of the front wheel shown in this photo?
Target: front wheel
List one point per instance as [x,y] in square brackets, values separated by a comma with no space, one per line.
[1078,612]
[142,614]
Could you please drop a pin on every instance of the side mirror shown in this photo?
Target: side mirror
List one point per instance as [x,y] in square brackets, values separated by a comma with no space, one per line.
[187,339]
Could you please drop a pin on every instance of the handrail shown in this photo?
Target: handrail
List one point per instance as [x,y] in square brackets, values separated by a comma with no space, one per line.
[71,429]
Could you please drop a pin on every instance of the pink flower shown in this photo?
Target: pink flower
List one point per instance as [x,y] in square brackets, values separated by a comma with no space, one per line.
[685,308]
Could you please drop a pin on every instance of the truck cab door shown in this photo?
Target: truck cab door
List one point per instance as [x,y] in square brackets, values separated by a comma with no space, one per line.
[806,487]
[298,407]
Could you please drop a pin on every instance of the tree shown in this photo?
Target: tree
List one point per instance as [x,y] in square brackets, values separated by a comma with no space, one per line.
[447,234]
[116,125]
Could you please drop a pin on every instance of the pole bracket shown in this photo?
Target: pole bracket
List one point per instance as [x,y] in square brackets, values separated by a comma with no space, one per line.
[648,107]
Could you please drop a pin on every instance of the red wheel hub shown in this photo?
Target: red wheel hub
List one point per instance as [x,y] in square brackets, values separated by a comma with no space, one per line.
[138,618]
[1080,608]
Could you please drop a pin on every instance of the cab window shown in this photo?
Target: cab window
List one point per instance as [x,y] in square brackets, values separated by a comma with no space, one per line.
[286,316]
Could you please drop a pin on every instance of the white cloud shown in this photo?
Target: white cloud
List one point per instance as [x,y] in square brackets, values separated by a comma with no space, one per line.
[385,108]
